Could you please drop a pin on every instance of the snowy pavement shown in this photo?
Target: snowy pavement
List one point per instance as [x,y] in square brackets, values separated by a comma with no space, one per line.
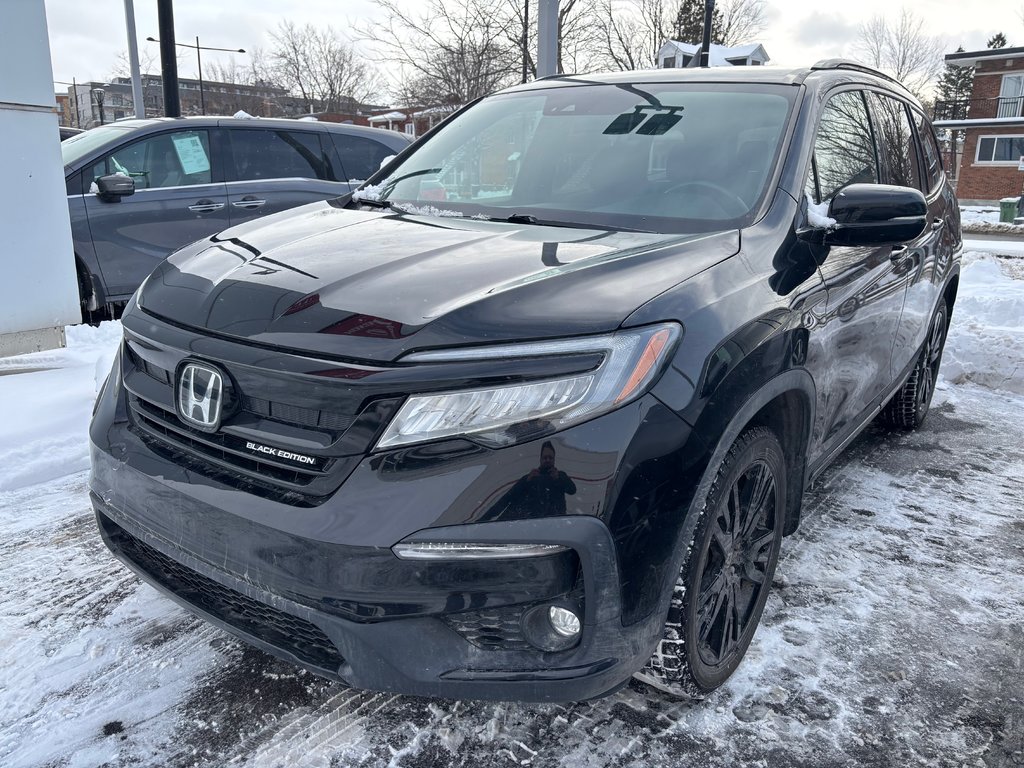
[894,634]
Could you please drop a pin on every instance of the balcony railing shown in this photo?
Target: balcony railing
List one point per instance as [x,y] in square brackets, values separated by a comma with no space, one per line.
[972,109]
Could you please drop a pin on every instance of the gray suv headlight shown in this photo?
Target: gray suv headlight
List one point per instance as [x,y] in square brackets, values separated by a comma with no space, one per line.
[497,416]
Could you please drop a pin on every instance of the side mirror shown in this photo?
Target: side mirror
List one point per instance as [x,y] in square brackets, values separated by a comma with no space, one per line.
[871,214]
[112,188]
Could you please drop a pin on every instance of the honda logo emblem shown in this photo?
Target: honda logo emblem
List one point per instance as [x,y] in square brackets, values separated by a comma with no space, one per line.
[200,395]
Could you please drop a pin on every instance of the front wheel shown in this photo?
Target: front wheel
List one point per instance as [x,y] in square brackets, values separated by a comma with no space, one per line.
[726,575]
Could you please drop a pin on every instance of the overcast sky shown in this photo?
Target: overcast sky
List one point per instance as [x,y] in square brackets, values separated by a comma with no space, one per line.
[87,35]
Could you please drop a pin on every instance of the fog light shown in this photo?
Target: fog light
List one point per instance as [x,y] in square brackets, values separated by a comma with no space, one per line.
[552,627]
[563,621]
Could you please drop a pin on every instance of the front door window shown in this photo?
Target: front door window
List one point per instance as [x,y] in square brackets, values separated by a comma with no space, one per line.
[178,159]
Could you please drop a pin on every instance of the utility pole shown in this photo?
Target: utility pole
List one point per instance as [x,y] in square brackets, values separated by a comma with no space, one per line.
[168,58]
[199,65]
[133,59]
[705,45]
[526,37]
[547,37]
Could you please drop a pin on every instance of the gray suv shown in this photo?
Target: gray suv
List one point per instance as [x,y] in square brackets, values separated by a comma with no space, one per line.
[140,189]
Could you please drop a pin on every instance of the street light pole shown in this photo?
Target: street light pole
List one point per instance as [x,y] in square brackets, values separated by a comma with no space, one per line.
[133,59]
[97,94]
[199,67]
[199,63]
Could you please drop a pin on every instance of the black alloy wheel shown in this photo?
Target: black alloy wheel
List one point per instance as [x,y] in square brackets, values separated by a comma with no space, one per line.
[909,406]
[735,564]
[726,576]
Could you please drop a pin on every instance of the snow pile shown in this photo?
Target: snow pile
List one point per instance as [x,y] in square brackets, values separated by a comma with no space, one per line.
[971,215]
[243,115]
[426,210]
[986,335]
[371,192]
[46,404]
[817,215]
[985,219]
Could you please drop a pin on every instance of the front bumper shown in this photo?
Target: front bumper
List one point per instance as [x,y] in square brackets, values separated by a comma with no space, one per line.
[415,654]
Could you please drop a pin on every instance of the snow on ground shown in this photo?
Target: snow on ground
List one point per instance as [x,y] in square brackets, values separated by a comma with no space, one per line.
[893,636]
[45,412]
[985,219]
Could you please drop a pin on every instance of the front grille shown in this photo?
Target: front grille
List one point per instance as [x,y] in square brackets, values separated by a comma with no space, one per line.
[284,413]
[301,638]
[493,629]
[211,456]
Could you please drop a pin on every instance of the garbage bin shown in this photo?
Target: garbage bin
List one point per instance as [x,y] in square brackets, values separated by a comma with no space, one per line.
[1007,210]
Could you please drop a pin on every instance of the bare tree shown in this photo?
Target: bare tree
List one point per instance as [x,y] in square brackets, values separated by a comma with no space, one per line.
[318,66]
[632,31]
[447,53]
[742,21]
[579,40]
[902,49]
[256,71]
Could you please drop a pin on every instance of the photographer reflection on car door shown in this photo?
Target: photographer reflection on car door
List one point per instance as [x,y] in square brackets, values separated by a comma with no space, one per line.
[542,491]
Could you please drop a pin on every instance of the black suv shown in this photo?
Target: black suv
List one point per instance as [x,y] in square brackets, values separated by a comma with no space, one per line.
[531,411]
[140,189]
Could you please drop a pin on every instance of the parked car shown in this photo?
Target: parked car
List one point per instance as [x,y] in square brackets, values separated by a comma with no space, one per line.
[67,133]
[531,411]
[140,189]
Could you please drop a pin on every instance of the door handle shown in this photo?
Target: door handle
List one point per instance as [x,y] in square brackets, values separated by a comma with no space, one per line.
[898,252]
[249,202]
[205,206]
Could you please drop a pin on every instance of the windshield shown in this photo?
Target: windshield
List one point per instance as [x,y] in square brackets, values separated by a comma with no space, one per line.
[79,146]
[652,157]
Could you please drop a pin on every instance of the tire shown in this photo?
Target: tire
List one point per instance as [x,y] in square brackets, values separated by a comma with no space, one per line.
[909,406]
[726,575]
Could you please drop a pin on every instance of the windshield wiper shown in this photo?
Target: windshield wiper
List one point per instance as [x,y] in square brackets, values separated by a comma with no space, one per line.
[526,218]
[372,203]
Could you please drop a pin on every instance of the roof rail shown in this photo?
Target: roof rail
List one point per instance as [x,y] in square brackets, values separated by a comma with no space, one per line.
[854,65]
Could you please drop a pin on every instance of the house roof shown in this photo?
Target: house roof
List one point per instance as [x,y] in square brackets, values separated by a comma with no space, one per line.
[970,58]
[719,55]
[388,116]
[981,122]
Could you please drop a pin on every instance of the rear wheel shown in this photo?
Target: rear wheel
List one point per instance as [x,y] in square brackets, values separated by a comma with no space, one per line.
[725,578]
[909,406]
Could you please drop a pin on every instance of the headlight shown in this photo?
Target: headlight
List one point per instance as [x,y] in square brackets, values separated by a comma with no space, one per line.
[503,415]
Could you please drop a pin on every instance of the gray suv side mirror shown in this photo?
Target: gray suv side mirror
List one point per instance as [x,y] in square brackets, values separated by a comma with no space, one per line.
[115,186]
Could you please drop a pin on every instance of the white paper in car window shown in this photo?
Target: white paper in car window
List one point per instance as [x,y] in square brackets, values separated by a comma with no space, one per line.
[191,154]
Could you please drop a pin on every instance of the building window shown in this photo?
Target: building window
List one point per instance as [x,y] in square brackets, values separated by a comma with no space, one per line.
[410,129]
[1000,149]
[670,62]
[1011,96]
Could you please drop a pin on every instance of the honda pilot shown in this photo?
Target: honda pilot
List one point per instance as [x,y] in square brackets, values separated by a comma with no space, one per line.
[531,411]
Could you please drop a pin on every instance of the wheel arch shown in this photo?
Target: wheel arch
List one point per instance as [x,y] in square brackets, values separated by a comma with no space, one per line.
[784,404]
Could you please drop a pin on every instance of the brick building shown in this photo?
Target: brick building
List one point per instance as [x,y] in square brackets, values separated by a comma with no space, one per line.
[991,122]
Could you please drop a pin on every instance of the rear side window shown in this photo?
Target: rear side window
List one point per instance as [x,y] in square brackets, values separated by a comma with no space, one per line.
[360,157]
[930,148]
[844,148]
[277,154]
[896,142]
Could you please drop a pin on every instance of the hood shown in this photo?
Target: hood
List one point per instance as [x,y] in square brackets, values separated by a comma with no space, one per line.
[374,285]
